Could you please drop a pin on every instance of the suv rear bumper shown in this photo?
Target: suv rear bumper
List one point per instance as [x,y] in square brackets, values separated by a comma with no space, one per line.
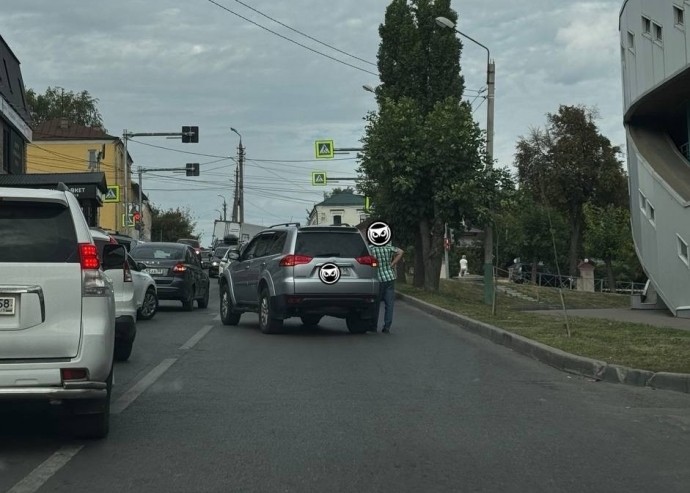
[285,306]
[69,390]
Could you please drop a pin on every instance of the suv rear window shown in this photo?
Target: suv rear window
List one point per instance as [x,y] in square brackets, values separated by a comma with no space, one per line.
[330,244]
[158,252]
[37,232]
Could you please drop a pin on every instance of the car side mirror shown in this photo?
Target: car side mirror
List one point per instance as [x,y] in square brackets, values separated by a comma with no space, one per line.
[114,256]
[141,266]
[233,256]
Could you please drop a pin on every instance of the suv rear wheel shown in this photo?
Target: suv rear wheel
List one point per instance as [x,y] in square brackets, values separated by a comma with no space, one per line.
[150,305]
[356,324]
[188,304]
[203,302]
[89,425]
[227,316]
[267,323]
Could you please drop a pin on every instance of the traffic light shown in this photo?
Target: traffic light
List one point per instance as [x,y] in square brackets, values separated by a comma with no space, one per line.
[136,217]
[190,134]
[192,169]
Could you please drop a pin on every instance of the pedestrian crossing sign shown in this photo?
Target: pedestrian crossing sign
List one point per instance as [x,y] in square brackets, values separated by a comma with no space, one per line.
[113,194]
[318,178]
[324,149]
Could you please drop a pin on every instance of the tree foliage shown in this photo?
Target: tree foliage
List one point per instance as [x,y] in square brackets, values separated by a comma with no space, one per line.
[337,190]
[80,108]
[568,164]
[422,161]
[608,235]
[171,224]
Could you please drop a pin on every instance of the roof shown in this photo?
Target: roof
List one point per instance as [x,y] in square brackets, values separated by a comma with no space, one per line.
[47,179]
[343,199]
[63,129]
[14,95]
[135,189]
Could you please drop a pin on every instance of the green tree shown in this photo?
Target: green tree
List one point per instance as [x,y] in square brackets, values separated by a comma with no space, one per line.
[338,190]
[80,108]
[422,160]
[171,224]
[608,236]
[568,164]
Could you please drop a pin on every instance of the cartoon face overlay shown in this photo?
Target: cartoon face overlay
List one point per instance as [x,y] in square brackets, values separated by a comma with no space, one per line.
[379,233]
[329,273]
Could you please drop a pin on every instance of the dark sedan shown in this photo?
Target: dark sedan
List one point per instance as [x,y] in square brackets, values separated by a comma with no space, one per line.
[177,271]
[217,256]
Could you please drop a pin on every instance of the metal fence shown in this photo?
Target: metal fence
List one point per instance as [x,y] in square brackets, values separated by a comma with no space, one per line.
[601,285]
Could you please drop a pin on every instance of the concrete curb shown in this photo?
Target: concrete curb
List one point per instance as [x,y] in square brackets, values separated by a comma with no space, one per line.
[571,363]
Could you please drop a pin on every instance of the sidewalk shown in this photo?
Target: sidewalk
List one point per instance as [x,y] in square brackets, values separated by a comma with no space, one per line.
[656,318]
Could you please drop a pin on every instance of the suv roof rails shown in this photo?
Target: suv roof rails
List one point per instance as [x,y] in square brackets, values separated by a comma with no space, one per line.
[285,224]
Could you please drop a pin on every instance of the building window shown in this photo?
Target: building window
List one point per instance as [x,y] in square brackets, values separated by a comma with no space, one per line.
[682,249]
[678,15]
[651,213]
[337,220]
[631,41]
[658,32]
[646,25]
[643,203]
[93,161]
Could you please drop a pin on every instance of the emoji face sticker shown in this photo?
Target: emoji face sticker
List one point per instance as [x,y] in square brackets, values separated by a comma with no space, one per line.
[379,233]
[329,273]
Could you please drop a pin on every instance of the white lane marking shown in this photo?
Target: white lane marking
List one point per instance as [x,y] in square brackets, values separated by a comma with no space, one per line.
[138,388]
[39,476]
[196,337]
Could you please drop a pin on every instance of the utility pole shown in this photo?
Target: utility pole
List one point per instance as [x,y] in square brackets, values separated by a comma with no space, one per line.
[488,230]
[240,186]
[235,198]
[446,242]
[224,216]
[125,169]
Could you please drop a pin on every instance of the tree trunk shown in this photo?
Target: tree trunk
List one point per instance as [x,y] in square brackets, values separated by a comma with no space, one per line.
[611,276]
[535,275]
[400,271]
[418,279]
[573,255]
[432,248]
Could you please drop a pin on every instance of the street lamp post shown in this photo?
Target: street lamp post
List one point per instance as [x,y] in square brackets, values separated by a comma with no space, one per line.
[225,208]
[240,186]
[490,82]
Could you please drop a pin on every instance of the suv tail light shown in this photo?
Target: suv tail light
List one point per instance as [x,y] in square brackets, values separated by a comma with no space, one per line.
[74,374]
[93,281]
[292,260]
[88,256]
[179,268]
[368,260]
[127,273]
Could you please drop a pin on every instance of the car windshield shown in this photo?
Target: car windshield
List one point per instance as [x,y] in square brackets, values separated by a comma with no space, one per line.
[155,252]
[220,251]
[194,243]
[330,244]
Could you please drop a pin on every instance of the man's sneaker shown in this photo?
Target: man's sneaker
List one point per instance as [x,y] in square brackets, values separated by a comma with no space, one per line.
[386,330]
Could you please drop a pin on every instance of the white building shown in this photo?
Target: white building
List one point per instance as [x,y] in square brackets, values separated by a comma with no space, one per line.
[340,208]
[655,55]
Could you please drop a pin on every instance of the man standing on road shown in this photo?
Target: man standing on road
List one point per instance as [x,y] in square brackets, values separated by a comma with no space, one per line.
[388,257]
[463,266]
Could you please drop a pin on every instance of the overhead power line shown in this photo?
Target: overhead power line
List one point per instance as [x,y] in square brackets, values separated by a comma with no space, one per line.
[292,40]
[305,35]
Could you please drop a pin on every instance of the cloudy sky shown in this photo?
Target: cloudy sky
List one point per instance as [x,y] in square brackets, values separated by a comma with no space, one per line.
[158,64]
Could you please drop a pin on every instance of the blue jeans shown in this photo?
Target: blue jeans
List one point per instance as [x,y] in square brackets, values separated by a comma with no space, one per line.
[387,295]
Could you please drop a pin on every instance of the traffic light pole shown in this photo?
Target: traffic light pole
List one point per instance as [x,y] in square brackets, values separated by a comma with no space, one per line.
[188,134]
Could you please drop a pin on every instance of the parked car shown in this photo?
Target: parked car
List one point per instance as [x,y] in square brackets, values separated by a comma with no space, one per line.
[307,272]
[217,256]
[177,271]
[57,307]
[125,300]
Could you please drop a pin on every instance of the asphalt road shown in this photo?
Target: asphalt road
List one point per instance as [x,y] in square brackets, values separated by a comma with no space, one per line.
[201,407]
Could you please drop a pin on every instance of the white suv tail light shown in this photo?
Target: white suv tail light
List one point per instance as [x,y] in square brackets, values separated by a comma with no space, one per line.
[93,281]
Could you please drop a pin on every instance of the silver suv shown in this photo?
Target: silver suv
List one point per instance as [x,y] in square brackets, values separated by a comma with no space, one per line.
[57,308]
[308,272]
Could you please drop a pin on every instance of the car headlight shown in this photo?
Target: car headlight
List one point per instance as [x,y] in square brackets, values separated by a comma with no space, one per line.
[215,264]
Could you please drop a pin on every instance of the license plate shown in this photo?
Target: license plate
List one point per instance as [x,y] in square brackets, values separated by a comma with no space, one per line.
[6,306]
[157,272]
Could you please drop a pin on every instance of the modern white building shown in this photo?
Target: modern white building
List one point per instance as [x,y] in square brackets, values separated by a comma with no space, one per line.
[655,55]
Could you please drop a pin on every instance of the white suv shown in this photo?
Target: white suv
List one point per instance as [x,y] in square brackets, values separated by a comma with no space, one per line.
[57,308]
[125,300]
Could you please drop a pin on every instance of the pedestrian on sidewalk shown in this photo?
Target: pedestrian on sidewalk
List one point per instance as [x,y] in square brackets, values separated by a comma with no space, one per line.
[463,266]
[388,257]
